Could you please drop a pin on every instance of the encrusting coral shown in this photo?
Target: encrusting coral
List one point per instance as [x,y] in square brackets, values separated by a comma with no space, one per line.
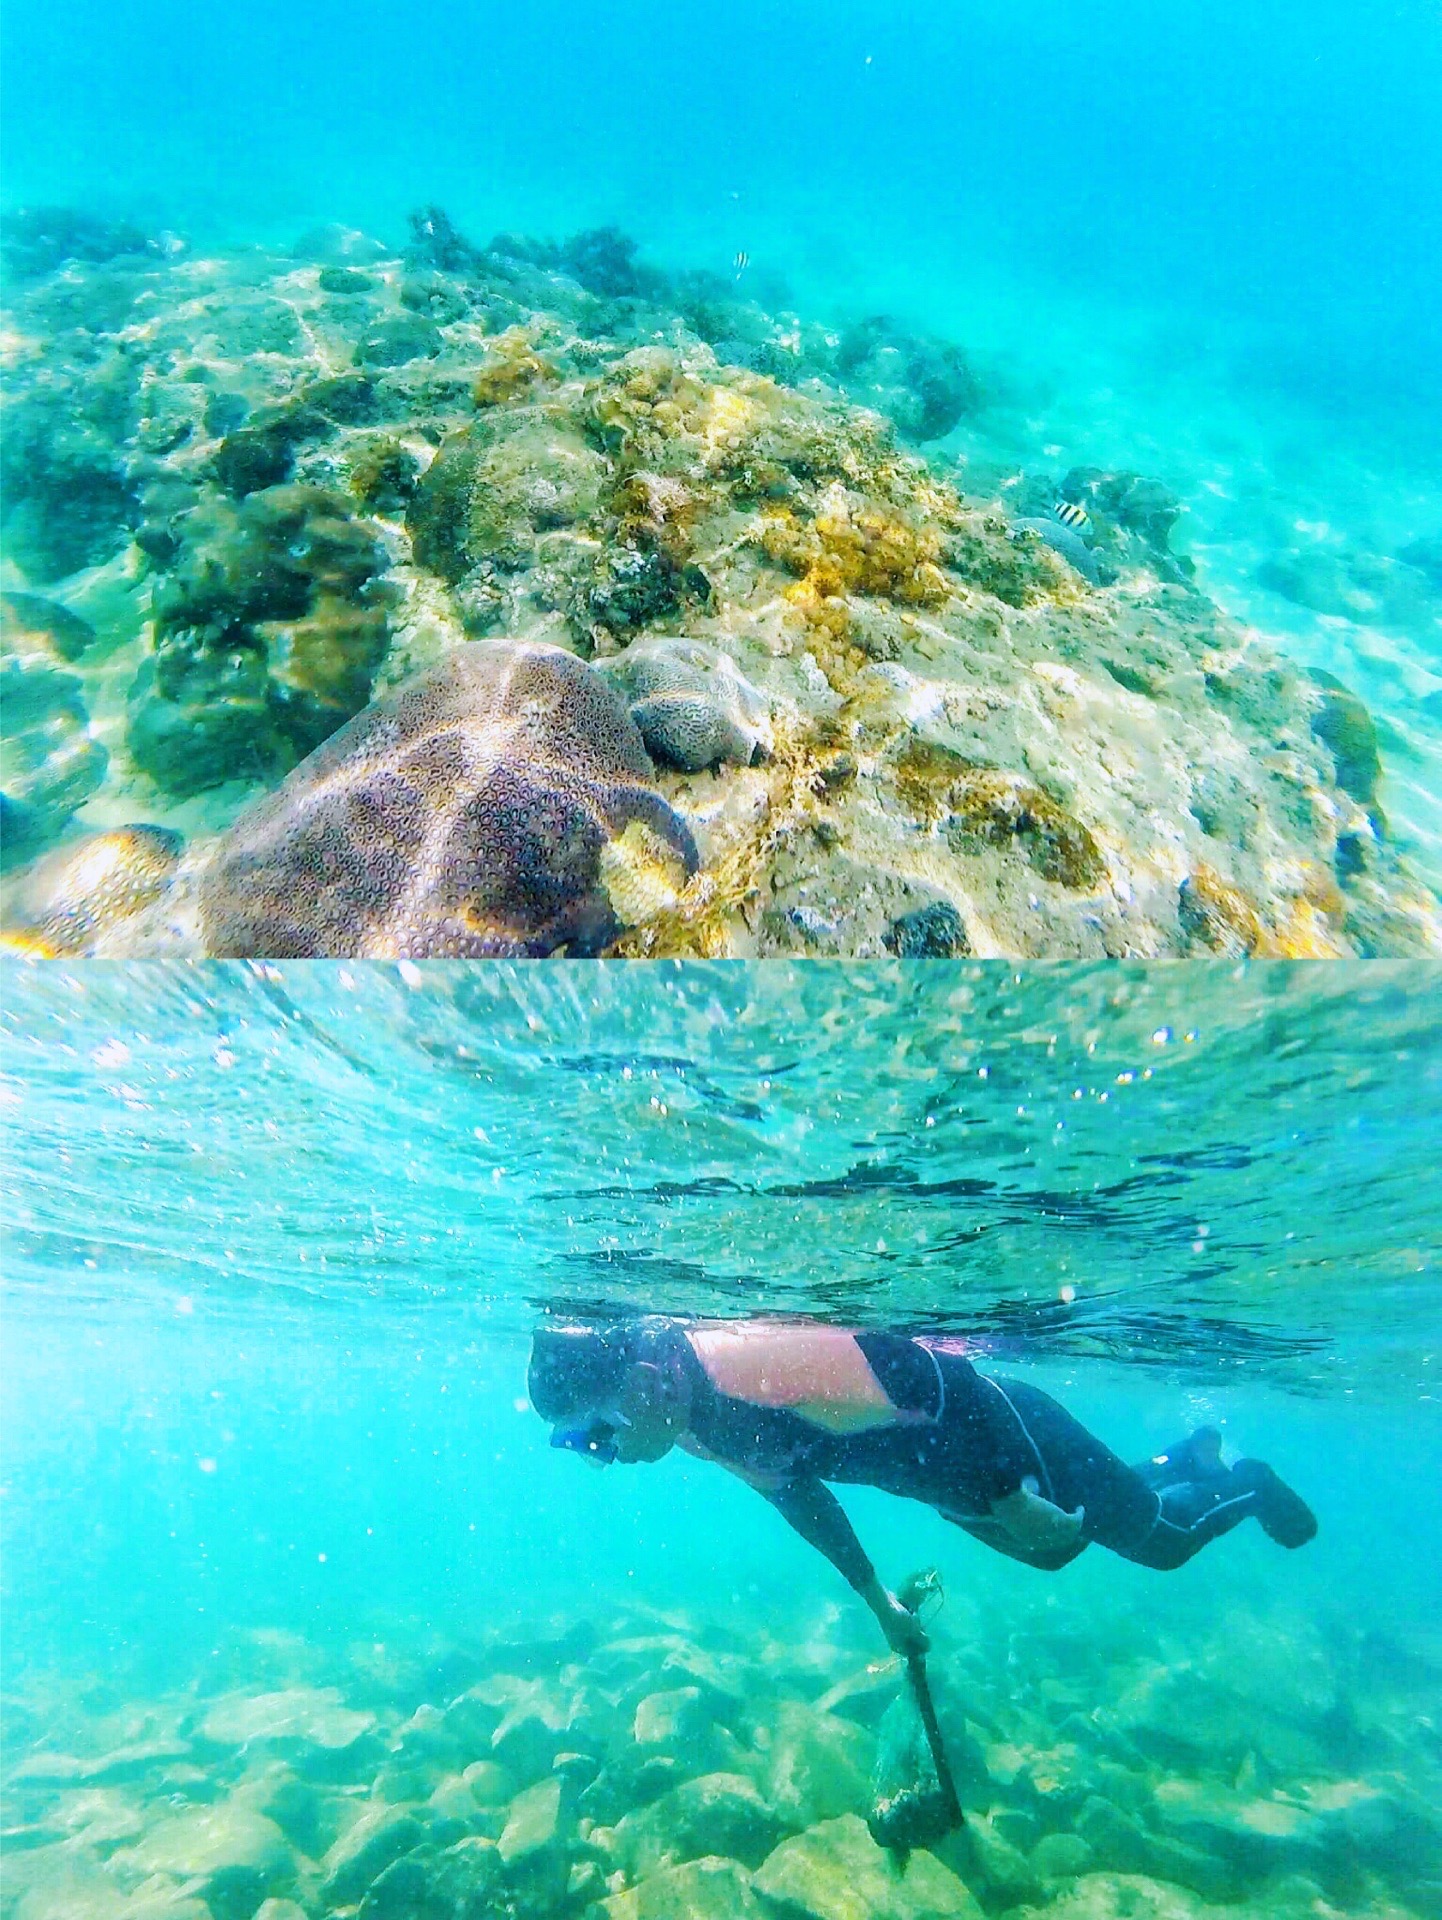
[501,804]
[282,487]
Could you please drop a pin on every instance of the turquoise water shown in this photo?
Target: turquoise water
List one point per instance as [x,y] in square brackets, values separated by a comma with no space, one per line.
[1203,246]
[276,1238]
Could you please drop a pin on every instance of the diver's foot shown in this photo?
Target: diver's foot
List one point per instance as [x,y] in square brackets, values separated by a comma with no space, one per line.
[1284,1516]
[1198,1458]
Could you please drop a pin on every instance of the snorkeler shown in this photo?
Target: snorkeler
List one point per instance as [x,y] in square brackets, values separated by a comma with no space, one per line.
[791,1405]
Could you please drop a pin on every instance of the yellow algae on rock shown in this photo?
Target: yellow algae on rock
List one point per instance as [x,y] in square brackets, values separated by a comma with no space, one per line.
[74,897]
[513,368]
[642,874]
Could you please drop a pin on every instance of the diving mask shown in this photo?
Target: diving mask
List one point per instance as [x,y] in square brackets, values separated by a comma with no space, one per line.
[595,1442]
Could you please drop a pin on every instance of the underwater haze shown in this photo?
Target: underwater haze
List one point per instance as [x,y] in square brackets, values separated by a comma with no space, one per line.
[301,1606]
[1196,244]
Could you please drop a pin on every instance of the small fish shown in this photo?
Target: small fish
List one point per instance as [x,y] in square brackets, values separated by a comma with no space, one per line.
[1063,540]
[1071,515]
[741,263]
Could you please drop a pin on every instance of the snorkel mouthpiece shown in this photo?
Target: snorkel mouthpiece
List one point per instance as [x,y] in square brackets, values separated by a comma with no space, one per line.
[595,1443]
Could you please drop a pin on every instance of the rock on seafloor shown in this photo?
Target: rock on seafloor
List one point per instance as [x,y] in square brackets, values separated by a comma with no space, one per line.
[52,764]
[836,1871]
[500,804]
[362,1781]
[707,1889]
[896,708]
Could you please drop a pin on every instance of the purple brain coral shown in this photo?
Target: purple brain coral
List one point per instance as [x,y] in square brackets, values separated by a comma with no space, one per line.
[476,811]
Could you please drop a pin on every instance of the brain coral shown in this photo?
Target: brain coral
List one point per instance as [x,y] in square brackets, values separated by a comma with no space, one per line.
[488,807]
[692,704]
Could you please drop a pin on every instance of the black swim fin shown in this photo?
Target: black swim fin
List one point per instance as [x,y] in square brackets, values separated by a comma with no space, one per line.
[1283,1515]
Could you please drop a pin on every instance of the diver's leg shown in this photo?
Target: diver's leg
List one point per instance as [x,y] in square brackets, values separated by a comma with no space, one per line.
[1076,1469]
[1173,1505]
[1190,1515]
[1282,1513]
[1197,1458]
[991,1533]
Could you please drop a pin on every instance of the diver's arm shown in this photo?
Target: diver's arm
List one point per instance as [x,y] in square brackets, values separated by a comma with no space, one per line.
[1037,1524]
[819,1517]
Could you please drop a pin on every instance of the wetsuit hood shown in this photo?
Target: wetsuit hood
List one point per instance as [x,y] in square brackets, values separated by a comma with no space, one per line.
[574,1370]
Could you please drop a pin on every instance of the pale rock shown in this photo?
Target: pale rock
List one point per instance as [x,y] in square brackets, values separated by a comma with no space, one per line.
[534,1822]
[711,1889]
[381,1834]
[203,1841]
[452,1797]
[818,1766]
[1060,1856]
[674,1718]
[982,1854]
[1126,1846]
[490,1784]
[836,1871]
[304,1716]
[717,1813]
[1125,1896]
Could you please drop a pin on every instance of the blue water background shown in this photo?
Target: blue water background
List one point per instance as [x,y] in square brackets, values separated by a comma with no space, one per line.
[1273,163]
[275,1239]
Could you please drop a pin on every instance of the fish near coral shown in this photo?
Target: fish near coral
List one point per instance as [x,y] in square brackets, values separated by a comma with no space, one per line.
[1063,539]
[485,808]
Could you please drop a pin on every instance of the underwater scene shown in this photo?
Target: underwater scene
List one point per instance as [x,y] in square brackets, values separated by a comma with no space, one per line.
[330,1286]
[782,480]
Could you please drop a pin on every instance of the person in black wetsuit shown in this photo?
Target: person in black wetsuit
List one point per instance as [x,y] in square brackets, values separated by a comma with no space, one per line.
[791,1405]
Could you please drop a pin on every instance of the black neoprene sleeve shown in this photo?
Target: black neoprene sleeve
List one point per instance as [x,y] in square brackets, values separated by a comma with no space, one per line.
[819,1517]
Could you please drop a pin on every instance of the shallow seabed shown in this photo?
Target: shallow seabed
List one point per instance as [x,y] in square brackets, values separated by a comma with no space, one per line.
[910,680]
[302,1609]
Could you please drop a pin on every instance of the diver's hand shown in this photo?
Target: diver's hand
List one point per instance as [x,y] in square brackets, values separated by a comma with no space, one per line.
[1036,1522]
[904,1632]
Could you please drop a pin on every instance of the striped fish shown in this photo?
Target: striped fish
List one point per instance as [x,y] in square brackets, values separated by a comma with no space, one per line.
[741,263]
[1071,515]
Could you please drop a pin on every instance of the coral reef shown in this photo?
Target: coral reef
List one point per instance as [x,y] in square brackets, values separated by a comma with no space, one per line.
[49,762]
[933,932]
[333,468]
[269,626]
[79,899]
[499,805]
[926,386]
[632,1764]
[693,706]
[37,240]
[67,490]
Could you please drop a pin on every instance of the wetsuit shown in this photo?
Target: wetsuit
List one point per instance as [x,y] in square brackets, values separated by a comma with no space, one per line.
[912,1416]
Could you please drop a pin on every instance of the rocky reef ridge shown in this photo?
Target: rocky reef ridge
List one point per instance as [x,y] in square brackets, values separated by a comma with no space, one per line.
[269,490]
